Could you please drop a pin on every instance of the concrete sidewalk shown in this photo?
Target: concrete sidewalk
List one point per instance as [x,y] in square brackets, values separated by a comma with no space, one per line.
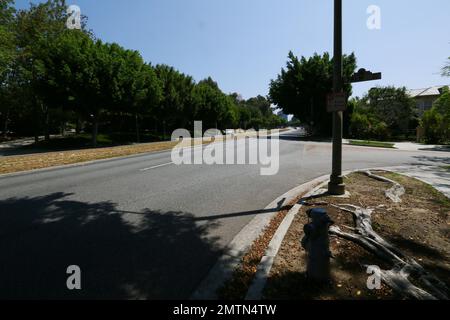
[438,177]
[411,146]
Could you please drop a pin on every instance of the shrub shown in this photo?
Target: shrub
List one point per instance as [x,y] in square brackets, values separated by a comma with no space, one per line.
[359,126]
[436,122]
[432,124]
[380,131]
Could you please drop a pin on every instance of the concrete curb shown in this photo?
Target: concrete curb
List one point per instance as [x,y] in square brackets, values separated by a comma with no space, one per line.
[227,263]
[255,290]
[262,274]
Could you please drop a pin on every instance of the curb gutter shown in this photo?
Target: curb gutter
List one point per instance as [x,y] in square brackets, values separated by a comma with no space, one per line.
[227,263]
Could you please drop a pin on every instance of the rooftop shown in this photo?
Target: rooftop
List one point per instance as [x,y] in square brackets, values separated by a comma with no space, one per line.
[430,91]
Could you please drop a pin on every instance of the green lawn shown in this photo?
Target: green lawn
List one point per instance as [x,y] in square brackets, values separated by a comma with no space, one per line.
[368,143]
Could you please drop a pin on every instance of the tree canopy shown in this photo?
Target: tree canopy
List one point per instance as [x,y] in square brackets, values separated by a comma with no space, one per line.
[301,88]
[436,121]
[446,69]
[6,36]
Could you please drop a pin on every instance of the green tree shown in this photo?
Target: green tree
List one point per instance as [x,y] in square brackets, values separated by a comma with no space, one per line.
[442,104]
[83,74]
[360,126]
[446,69]
[436,122]
[35,28]
[7,60]
[393,106]
[7,43]
[256,113]
[213,107]
[432,122]
[134,86]
[261,103]
[176,108]
[301,88]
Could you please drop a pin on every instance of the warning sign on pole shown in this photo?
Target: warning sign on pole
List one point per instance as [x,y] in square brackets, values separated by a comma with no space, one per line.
[336,102]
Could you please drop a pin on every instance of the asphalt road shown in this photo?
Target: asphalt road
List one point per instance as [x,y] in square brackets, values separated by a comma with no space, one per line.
[143,228]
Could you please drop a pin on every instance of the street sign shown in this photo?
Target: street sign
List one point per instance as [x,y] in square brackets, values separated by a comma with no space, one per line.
[364,75]
[336,102]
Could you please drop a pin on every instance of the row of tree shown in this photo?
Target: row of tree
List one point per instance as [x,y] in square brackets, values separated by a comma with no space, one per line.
[52,77]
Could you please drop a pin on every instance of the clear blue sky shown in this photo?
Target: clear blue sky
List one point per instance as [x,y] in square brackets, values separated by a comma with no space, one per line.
[243,44]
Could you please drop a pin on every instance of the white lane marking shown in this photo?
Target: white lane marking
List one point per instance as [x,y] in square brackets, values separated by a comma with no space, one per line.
[195,148]
[158,166]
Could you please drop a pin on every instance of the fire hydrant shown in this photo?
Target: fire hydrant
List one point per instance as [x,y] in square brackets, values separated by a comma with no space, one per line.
[317,245]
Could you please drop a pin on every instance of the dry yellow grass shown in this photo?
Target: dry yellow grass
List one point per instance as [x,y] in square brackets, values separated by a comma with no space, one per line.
[51,159]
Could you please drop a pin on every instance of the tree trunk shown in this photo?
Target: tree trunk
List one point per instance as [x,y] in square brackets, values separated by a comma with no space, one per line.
[47,124]
[138,138]
[94,130]
[36,122]
[164,130]
[63,128]
[78,126]
[5,125]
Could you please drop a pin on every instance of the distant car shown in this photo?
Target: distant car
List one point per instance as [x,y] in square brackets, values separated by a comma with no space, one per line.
[229,132]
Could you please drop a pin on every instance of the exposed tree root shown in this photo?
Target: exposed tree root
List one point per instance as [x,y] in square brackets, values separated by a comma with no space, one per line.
[403,267]
[394,193]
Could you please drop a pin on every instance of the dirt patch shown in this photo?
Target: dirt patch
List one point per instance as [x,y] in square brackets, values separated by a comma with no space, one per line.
[419,226]
[236,288]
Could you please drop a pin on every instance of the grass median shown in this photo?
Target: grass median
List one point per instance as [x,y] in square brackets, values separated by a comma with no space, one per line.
[368,143]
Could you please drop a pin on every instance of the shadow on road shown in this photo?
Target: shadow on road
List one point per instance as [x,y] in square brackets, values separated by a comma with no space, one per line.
[431,159]
[280,207]
[151,255]
[296,137]
[437,148]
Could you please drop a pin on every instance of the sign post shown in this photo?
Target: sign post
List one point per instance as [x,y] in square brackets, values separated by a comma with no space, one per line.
[337,102]
[365,75]
[336,185]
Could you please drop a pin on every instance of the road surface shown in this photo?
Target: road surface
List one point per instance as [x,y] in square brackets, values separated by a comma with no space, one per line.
[143,228]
